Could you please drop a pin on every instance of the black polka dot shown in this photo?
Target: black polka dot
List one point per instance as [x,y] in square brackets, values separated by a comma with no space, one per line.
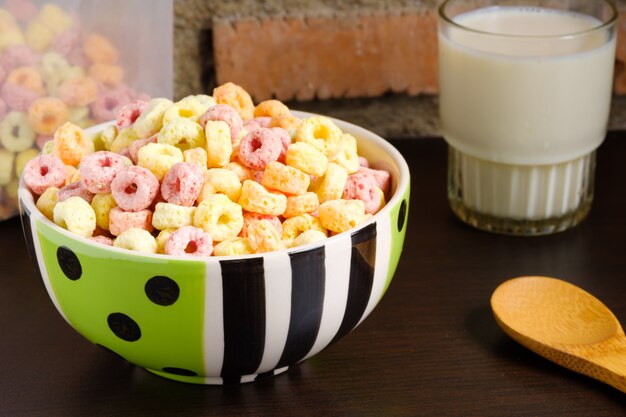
[69,263]
[162,290]
[179,371]
[402,215]
[124,327]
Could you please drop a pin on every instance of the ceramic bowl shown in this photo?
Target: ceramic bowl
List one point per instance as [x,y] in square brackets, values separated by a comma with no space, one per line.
[224,319]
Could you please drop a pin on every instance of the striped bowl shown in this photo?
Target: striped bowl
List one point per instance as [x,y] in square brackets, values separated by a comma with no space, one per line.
[224,319]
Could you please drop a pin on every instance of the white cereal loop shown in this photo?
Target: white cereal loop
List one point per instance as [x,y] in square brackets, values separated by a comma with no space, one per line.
[151,119]
[308,236]
[135,239]
[75,215]
[294,226]
[158,158]
[219,217]
[16,135]
[172,216]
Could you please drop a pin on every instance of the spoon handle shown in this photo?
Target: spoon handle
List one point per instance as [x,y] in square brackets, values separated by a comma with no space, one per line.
[604,361]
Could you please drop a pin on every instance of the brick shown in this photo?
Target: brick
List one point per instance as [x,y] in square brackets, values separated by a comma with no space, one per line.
[339,55]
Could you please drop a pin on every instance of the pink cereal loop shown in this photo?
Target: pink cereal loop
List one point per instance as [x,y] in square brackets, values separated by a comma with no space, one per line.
[182,184]
[130,112]
[285,139]
[250,218]
[18,97]
[120,220]
[382,177]
[44,171]
[189,241]
[98,169]
[18,56]
[257,122]
[134,188]
[104,240]
[22,10]
[134,147]
[226,114]
[258,148]
[360,186]
[75,189]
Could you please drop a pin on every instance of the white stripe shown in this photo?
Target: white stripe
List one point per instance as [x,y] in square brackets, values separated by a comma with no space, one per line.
[338,258]
[42,267]
[277,269]
[383,252]
[213,328]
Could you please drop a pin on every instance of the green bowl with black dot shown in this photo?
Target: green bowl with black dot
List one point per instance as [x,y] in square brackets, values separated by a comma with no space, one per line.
[218,320]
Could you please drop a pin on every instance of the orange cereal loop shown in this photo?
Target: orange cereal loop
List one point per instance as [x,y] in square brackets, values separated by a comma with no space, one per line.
[99,50]
[27,77]
[77,92]
[110,75]
[263,237]
[287,121]
[270,108]
[46,114]
[71,144]
[236,97]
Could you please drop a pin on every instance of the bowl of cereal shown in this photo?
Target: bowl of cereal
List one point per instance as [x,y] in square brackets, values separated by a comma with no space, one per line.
[212,242]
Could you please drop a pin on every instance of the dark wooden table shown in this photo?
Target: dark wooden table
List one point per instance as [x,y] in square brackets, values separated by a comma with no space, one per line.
[431,347]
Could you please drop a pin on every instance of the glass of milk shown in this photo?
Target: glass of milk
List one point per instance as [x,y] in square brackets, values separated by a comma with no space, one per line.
[525,92]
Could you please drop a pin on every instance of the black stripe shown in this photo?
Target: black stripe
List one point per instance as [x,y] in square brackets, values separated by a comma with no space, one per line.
[308,282]
[361,278]
[243,283]
[28,237]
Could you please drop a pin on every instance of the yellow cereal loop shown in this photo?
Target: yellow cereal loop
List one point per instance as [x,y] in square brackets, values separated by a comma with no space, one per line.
[308,236]
[158,158]
[220,181]
[270,108]
[341,215]
[6,166]
[218,146]
[38,36]
[321,133]
[52,64]
[196,156]
[71,144]
[136,239]
[306,158]
[264,237]
[331,185]
[346,154]
[102,204]
[72,174]
[16,135]
[300,204]
[242,171]
[234,246]
[236,97]
[286,179]
[151,119]
[182,133]
[47,201]
[205,99]
[79,115]
[190,107]
[254,197]
[54,18]
[161,239]
[22,158]
[123,140]
[104,140]
[219,217]
[75,215]
[48,148]
[172,216]
[294,226]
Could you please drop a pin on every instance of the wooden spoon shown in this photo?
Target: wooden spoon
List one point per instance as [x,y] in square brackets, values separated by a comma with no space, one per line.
[565,324]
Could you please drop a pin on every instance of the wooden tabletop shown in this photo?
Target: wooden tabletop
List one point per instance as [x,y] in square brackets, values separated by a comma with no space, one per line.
[430,348]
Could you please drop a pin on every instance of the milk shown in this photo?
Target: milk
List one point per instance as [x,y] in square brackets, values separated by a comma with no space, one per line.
[528,110]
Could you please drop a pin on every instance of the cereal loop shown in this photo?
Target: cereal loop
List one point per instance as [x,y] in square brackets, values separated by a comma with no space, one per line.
[102,204]
[189,241]
[27,77]
[133,148]
[294,226]
[224,113]
[306,158]
[196,156]
[47,114]
[75,215]
[286,179]
[80,91]
[159,158]
[234,246]
[258,148]
[47,201]
[182,184]
[172,216]
[134,188]
[161,239]
[15,132]
[220,217]
[308,236]
[190,108]
[249,218]
[75,189]
[99,50]
[129,113]
[220,180]
[218,144]
[98,169]
[71,144]
[270,108]
[43,172]
[346,154]
[341,215]
[321,133]
[121,220]
[332,184]
[136,239]
[182,133]
[300,204]
[254,197]
[264,237]
[236,97]
[109,75]
[151,119]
